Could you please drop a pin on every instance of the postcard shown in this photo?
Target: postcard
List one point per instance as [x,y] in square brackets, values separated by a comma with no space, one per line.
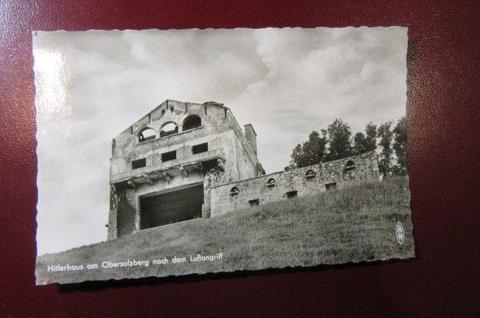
[176,152]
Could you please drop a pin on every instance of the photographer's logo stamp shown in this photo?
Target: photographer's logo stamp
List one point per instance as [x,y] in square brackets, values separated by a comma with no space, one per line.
[400,233]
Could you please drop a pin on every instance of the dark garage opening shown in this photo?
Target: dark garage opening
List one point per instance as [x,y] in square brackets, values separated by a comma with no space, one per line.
[171,207]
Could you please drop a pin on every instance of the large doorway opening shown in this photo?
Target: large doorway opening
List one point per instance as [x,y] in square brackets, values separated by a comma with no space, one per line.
[171,207]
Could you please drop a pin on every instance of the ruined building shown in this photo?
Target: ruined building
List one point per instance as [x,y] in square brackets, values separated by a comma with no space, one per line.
[184,161]
[163,166]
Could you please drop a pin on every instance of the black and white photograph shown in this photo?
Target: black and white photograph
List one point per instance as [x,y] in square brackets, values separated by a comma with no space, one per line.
[178,152]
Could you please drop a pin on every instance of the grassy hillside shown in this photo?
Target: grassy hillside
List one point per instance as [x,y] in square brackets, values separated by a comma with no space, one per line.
[349,225]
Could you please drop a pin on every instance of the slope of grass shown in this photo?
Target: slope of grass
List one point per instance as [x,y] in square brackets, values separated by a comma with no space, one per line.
[349,225]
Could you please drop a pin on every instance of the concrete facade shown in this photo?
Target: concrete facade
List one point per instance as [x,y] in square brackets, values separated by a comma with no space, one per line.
[183,161]
[176,146]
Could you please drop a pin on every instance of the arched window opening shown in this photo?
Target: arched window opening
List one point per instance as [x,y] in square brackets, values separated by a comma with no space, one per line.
[169,128]
[349,170]
[192,121]
[234,191]
[310,174]
[349,166]
[146,134]
[271,183]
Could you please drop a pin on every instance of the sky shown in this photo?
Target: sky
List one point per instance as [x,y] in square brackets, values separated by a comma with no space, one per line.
[92,85]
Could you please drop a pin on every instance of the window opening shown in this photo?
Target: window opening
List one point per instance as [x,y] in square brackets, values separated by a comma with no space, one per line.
[331,186]
[139,163]
[234,191]
[349,166]
[168,129]
[167,156]
[310,174]
[192,121]
[146,134]
[291,194]
[271,183]
[254,202]
[200,148]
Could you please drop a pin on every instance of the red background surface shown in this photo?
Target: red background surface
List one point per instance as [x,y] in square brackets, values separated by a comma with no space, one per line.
[444,154]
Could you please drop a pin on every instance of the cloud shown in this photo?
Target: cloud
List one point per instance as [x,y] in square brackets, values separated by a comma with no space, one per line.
[286,82]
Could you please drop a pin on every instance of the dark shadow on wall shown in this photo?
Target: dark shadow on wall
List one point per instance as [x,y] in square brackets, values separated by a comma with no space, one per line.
[125,218]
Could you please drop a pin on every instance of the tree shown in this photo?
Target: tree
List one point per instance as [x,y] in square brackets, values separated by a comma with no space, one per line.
[362,143]
[385,134]
[339,135]
[310,152]
[298,157]
[400,146]
[371,139]
[359,143]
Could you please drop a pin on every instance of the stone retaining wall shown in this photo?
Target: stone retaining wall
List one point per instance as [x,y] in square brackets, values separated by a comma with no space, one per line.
[296,182]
